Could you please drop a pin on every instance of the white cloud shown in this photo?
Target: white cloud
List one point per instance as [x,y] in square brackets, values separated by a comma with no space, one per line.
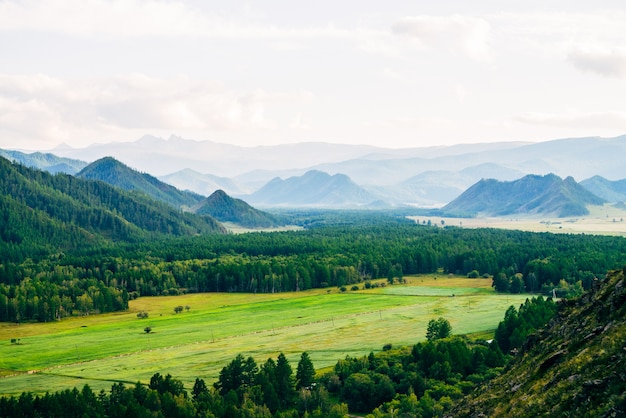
[41,108]
[461,34]
[608,63]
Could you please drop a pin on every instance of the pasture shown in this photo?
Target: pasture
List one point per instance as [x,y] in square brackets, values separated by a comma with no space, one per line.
[102,349]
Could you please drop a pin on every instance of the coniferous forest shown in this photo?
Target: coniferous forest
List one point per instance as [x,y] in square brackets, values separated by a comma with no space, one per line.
[44,286]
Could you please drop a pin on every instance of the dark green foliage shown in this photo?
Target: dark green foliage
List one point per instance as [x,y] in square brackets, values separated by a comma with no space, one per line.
[305,372]
[518,324]
[227,209]
[167,384]
[105,275]
[435,372]
[437,329]
[113,172]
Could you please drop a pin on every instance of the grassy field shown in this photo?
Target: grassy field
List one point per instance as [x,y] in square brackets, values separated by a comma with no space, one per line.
[102,349]
[602,220]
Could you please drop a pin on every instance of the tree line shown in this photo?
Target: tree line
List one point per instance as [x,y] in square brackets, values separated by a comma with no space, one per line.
[103,278]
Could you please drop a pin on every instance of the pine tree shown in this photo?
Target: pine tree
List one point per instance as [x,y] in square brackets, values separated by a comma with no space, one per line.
[305,372]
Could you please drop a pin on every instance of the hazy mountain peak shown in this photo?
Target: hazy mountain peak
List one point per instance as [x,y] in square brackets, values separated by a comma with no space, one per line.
[530,195]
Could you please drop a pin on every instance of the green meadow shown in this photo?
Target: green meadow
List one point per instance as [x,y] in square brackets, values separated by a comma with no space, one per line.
[102,349]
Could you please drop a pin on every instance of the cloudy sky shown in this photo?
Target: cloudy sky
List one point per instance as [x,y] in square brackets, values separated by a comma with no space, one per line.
[394,73]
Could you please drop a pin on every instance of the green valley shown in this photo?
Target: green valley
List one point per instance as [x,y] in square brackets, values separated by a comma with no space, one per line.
[198,342]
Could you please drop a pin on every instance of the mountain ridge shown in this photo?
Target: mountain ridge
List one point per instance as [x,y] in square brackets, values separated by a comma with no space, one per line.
[314,188]
[58,212]
[530,195]
[116,173]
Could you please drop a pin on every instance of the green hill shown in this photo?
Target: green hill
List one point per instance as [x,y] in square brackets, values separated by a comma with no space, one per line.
[574,367]
[547,195]
[115,173]
[227,209]
[42,213]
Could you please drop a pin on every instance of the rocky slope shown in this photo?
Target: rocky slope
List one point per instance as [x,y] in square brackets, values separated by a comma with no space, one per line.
[574,367]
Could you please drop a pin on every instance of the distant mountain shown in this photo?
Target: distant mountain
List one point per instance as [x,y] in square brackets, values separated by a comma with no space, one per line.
[164,156]
[227,209]
[203,184]
[115,173]
[314,188]
[44,161]
[576,157]
[43,213]
[611,191]
[438,187]
[386,173]
[573,367]
[547,195]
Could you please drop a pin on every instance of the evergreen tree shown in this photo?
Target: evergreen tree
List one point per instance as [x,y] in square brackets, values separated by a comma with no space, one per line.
[305,372]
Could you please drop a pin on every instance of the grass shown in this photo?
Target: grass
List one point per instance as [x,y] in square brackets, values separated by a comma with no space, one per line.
[102,349]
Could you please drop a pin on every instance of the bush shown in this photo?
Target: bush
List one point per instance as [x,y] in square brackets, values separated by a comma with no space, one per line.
[355,287]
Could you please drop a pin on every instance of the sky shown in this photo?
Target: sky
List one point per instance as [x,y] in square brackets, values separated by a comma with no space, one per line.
[393,74]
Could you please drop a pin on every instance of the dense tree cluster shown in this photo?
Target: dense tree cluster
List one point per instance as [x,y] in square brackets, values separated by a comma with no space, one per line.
[519,323]
[298,260]
[243,390]
[418,381]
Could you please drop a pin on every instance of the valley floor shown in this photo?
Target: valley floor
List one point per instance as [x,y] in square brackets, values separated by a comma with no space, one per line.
[602,220]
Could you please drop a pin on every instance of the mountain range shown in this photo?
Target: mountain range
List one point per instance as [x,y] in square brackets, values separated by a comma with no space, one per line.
[314,188]
[40,210]
[219,205]
[44,161]
[341,176]
[547,195]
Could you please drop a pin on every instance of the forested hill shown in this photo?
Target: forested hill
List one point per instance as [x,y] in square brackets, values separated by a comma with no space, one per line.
[227,209]
[532,195]
[42,213]
[117,174]
[573,367]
